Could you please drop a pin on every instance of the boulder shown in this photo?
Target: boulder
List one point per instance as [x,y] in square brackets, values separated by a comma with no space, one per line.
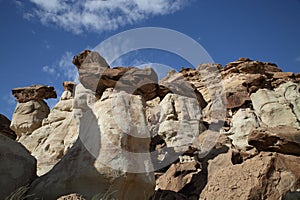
[17,166]
[266,176]
[243,121]
[282,139]
[28,116]
[179,121]
[178,176]
[35,92]
[49,143]
[5,129]
[110,156]
[278,107]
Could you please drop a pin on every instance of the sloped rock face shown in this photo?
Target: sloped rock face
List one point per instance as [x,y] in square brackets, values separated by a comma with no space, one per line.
[5,127]
[17,166]
[267,176]
[49,143]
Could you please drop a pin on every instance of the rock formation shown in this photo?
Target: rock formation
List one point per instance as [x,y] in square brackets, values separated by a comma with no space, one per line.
[17,166]
[31,108]
[212,132]
[5,127]
[50,142]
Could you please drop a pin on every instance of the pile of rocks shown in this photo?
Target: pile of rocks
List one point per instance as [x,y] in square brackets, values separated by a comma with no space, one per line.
[213,132]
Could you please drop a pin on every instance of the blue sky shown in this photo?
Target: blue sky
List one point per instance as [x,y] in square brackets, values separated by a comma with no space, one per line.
[40,37]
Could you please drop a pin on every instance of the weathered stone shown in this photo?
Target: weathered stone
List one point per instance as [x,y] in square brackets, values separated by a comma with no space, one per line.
[5,129]
[243,121]
[267,176]
[179,121]
[111,154]
[178,176]
[35,92]
[28,116]
[279,107]
[49,143]
[176,83]
[69,86]
[17,166]
[282,139]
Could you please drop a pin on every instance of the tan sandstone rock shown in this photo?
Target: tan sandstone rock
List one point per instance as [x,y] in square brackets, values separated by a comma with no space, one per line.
[111,154]
[49,143]
[243,121]
[17,166]
[278,107]
[28,116]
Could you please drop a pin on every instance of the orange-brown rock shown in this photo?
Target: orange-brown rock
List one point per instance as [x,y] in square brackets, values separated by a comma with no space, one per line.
[35,92]
[282,139]
[69,86]
[266,176]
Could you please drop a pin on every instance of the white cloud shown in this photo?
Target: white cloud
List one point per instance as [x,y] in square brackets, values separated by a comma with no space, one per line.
[100,15]
[63,69]
[49,70]
[9,99]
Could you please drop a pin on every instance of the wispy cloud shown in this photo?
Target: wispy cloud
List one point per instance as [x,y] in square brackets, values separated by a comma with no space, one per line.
[298,59]
[63,68]
[99,15]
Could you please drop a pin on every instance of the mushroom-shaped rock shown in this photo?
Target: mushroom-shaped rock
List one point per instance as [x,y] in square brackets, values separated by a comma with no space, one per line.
[35,92]
[31,108]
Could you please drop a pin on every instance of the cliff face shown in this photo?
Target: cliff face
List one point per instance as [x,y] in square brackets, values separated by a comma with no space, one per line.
[213,132]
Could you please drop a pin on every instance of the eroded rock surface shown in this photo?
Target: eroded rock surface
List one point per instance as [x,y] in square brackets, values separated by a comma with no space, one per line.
[28,116]
[17,166]
[99,161]
[58,132]
[267,176]
[282,139]
[278,107]
[35,92]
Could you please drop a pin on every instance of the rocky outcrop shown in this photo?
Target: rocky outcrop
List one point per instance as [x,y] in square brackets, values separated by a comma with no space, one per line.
[28,116]
[49,143]
[35,92]
[179,121]
[243,121]
[5,129]
[17,166]
[111,154]
[280,106]
[208,133]
[282,139]
[31,108]
[266,176]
